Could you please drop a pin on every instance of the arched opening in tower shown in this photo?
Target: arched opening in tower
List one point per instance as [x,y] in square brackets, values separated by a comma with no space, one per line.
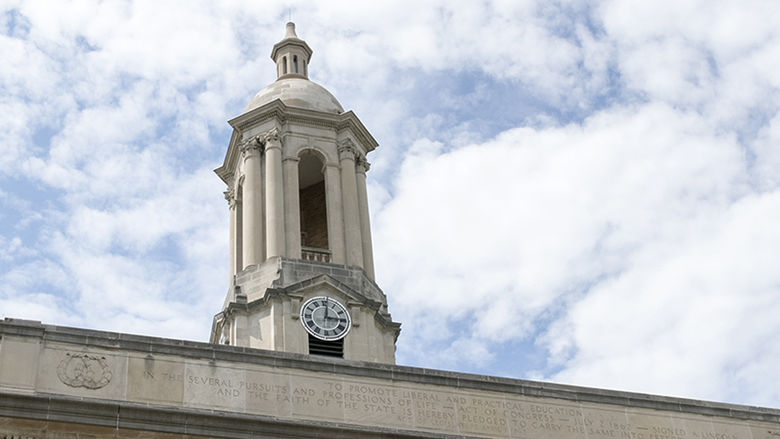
[313,208]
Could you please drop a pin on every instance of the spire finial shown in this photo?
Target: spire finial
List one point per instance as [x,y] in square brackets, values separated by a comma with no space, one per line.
[290,30]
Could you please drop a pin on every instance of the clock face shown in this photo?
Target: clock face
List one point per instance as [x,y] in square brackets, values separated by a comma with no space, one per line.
[325,318]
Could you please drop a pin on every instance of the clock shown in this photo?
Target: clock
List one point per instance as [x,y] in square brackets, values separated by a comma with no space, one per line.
[325,318]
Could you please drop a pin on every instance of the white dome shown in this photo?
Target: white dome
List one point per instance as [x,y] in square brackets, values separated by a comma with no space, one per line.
[297,92]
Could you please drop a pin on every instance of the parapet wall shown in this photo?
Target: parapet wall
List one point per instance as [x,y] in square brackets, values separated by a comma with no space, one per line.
[122,383]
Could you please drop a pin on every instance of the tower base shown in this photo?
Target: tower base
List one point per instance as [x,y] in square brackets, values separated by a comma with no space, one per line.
[262,309]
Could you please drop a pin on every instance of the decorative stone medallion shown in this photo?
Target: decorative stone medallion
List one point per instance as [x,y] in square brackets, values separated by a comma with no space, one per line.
[84,370]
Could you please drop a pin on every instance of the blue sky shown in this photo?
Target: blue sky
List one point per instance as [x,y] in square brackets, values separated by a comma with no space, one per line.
[579,192]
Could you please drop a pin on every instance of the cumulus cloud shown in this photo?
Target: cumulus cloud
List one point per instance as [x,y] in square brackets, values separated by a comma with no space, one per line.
[692,318]
[717,58]
[637,231]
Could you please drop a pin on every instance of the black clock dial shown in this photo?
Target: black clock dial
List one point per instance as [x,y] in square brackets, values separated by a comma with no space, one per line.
[325,318]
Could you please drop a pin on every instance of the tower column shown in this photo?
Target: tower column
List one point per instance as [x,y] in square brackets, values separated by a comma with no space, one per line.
[252,209]
[230,196]
[292,207]
[365,220]
[335,218]
[274,196]
[349,197]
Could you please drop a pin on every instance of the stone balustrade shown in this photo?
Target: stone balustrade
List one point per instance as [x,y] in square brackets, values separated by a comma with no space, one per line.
[315,254]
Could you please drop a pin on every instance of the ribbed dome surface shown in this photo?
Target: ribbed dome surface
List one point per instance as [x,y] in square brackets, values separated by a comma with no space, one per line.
[297,92]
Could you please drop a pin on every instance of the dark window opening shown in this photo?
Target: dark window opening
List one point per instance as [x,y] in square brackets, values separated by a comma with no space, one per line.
[314,224]
[284,65]
[325,348]
[313,206]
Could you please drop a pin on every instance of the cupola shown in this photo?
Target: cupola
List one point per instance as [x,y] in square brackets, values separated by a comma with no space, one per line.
[291,55]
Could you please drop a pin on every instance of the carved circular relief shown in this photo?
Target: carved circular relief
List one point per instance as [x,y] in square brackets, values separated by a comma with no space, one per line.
[84,370]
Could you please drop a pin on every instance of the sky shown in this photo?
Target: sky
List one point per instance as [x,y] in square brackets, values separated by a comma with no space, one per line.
[568,191]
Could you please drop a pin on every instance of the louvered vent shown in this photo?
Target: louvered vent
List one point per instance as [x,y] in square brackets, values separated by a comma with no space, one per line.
[326,348]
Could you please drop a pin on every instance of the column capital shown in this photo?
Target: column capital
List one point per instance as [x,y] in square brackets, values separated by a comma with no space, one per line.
[252,145]
[230,197]
[361,164]
[347,150]
[271,139]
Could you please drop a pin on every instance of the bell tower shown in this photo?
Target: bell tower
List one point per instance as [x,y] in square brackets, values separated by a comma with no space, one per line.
[301,259]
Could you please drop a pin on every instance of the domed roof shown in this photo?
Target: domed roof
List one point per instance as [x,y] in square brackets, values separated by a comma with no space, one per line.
[297,92]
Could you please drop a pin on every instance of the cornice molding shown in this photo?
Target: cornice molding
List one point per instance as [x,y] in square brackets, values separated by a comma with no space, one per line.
[297,42]
[283,115]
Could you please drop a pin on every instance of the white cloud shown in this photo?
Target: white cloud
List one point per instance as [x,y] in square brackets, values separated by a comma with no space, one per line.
[767,155]
[619,223]
[691,319]
[717,57]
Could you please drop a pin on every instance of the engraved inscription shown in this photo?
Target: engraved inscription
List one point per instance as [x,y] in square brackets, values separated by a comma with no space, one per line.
[485,415]
[713,435]
[372,402]
[267,392]
[376,404]
[84,370]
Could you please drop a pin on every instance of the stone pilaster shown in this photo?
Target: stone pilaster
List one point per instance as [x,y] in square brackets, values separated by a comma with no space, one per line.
[230,197]
[274,195]
[252,202]
[334,212]
[292,206]
[362,167]
[349,199]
